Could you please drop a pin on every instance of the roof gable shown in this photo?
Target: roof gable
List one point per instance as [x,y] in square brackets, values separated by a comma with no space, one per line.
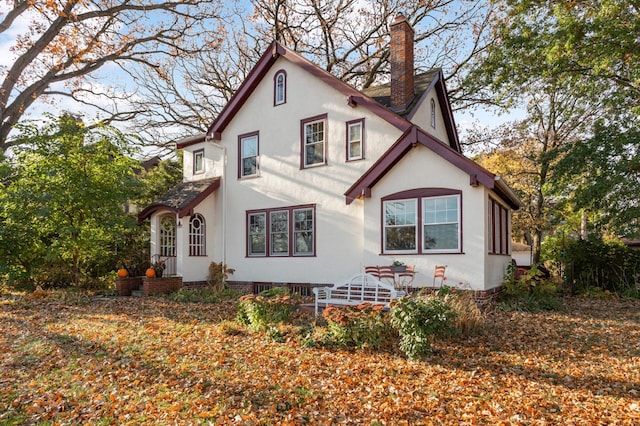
[410,139]
[182,198]
[352,96]
[424,82]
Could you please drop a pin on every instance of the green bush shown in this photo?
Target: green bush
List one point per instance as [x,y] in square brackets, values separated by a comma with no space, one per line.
[418,319]
[531,292]
[259,312]
[365,325]
[606,265]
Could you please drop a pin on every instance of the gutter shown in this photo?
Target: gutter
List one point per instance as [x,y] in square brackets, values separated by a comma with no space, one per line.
[508,192]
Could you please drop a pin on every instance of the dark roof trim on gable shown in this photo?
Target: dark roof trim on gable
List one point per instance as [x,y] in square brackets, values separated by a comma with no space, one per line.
[182,198]
[410,139]
[445,105]
[263,65]
[191,140]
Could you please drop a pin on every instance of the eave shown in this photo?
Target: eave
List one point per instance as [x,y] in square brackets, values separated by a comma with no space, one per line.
[410,139]
[352,96]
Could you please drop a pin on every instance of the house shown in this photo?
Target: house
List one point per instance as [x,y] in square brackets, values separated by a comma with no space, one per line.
[305,180]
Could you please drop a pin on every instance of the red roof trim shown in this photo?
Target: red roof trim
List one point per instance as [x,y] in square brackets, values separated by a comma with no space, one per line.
[191,140]
[262,67]
[236,102]
[403,145]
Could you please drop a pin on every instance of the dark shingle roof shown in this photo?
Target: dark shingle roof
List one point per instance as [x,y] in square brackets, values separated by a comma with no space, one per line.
[183,197]
[421,82]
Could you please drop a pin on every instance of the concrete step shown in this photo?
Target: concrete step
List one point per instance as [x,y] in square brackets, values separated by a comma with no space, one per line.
[137,293]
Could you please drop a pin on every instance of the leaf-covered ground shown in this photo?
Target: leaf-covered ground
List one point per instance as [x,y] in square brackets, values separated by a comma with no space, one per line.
[153,361]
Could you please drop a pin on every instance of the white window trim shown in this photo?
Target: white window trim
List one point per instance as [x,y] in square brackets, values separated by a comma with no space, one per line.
[457,222]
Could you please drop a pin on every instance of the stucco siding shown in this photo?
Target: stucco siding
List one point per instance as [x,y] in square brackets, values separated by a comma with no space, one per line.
[282,182]
[422,117]
[464,269]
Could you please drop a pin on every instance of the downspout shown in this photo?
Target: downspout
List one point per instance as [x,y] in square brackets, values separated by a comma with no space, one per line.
[224,195]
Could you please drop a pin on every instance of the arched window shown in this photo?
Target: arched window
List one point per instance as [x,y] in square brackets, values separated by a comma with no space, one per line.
[168,236]
[433,113]
[280,88]
[197,236]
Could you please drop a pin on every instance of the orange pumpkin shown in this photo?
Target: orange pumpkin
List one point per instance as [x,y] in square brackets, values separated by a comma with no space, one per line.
[122,273]
[151,273]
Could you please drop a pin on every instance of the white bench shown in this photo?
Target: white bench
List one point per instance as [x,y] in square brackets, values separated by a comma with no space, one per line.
[356,290]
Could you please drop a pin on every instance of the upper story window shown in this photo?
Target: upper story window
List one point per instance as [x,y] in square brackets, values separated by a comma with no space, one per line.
[280,88]
[433,113]
[355,139]
[198,161]
[248,148]
[197,236]
[314,146]
[422,221]
[283,232]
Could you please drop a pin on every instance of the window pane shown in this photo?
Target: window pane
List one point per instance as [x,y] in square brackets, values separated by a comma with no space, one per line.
[441,237]
[249,147]
[249,166]
[355,150]
[303,231]
[400,238]
[198,161]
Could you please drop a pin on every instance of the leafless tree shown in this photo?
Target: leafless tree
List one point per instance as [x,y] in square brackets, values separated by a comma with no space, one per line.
[65,42]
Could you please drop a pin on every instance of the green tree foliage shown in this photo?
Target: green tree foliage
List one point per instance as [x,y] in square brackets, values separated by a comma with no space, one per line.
[62,207]
[601,174]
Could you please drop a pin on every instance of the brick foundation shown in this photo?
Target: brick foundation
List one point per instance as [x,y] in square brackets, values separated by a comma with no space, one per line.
[161,285]
[126,285]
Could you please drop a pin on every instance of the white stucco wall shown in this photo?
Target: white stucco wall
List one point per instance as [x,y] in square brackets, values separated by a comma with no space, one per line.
[495,264]
[339,236]
[421,168]
[422,117]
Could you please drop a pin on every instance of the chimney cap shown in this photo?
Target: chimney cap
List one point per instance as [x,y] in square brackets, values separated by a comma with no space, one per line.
[399,18]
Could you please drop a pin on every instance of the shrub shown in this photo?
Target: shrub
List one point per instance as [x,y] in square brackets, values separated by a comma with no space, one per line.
[468,317]
[258,312]
[532,292]
[418,319]
[218,275]
[365,325]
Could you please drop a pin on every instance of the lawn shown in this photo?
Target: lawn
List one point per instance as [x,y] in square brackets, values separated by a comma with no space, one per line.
[154,361]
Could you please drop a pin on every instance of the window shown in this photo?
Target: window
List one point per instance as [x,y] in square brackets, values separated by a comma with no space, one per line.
[355,139]
[168,236]
[423,221]
[400,230]
[498,228]
[280,88]
[197,236]
[441,221]
[279,233]
[257,244]
[198,161]
[433,113]
[248,147]
[282,232]
[314,132]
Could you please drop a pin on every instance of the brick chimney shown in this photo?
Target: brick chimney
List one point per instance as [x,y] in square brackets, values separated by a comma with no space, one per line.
[402,72]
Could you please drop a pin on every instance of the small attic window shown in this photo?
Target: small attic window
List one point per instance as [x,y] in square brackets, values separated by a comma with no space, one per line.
[280,88]
[433,113]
